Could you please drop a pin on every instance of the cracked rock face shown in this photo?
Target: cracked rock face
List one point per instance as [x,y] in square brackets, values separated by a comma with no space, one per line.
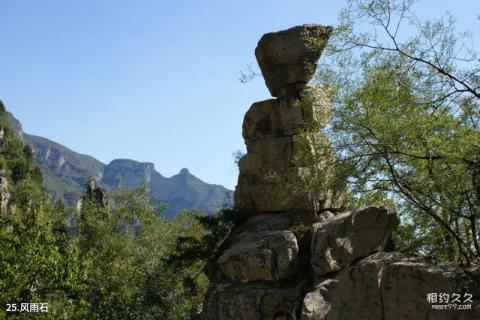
[269,170]
[316,304]
[393,286]
[264,256]
[256,302]
[288,58]
[357,295]
[281,133]
[286,117]
[405,285]
[340,240]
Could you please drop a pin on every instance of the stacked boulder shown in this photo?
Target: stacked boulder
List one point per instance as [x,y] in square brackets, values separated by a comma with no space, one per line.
[286,257]
[269,171]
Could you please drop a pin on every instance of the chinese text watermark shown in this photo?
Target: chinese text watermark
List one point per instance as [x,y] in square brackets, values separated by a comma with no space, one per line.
[27,307]
[447,301]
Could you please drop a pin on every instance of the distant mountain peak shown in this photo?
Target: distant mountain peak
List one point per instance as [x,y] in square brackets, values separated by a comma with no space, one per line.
[131,162]
[130,173]
[65,173]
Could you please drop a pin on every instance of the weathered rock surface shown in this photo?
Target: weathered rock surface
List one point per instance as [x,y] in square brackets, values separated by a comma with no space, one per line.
[267,191]
[357,294]
[316,304]
[4,194]
[252,225]
[262,222]
[334,269]
[286,117]
[405,287]
[258,302]
[288,58]
[96,194]
[392,286]
[270,169]
[348,236]
[264,256]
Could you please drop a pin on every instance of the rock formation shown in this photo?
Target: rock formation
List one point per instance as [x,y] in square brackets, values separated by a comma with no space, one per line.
[96,194]
[289,58]
[271,170]
[303,253]
[4,194]
[65,172]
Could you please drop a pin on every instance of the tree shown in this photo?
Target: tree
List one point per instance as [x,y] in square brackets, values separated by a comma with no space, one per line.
[37,262]
[405,123]
[130,260]
[106,262]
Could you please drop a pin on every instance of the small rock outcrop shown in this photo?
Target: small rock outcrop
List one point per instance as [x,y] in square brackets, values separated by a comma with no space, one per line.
[96,194]
[4,194]
[303,254]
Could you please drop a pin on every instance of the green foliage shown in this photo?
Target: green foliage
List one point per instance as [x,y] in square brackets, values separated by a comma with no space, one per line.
[2,108]
[37,262]
[205,244]
[64,182]
[324,179]
[126,253]
[123,262]
[317,178]
[405,124]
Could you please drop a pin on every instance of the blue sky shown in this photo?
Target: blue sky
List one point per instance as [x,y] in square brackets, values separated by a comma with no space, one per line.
[151,80]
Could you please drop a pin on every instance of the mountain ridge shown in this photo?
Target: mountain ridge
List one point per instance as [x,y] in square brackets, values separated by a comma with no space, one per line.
[65,172]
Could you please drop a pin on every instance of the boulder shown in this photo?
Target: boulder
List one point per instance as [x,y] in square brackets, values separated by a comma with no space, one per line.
[407,286]
[316,304]
[393,286]
[357,294]
[262,222]
[250,302]
[263,256]
[270,152]
[262,192]
[288,58]
[280,190]
[334,269]
[338,241]
[266,178]
[286,117]
[271,175]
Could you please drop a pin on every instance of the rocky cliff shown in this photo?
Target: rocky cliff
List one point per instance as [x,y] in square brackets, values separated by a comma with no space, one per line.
[303,255]
[179,192]
[65,174]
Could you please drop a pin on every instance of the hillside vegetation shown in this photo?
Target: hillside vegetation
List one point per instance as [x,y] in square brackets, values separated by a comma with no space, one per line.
[65,173]
[103,262]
